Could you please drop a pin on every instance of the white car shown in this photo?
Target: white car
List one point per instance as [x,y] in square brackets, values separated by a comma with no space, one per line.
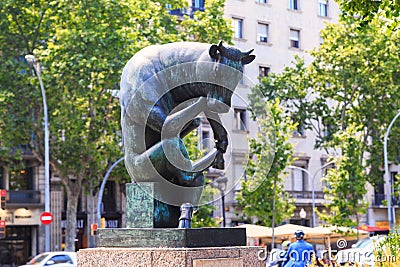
[362,252]
[54,259]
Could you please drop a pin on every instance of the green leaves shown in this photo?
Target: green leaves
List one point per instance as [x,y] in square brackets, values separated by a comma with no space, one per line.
[346,183]
[82,47]
[263,194]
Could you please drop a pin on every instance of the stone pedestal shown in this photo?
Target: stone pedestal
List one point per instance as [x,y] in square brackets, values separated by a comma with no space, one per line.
[171,237]
[139,205]
[171,257]
[140,244]
[144,211]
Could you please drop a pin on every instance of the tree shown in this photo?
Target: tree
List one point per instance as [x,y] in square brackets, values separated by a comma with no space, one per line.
[82,47]
[263,194]
[346,183]
[355,76]
[368,10]
[353,80]
[208,25]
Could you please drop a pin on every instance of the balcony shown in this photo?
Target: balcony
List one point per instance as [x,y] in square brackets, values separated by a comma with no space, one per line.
[305,197]
[23,197]
[307,194]
[380,200]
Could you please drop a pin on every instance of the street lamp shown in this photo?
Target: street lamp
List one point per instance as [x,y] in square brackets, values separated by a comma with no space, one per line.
[102,187]
[220,184]
[388,187]
[36,66]
[303,215]
[312,186]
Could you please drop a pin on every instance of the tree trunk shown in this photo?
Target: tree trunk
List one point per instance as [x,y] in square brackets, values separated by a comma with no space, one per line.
[73,191]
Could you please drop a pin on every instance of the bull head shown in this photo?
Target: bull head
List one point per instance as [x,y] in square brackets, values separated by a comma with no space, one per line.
[218,51]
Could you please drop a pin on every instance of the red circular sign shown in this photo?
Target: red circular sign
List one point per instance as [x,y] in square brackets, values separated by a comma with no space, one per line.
[46,217]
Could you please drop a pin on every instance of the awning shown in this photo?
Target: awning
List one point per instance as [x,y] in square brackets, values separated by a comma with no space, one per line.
[370,228]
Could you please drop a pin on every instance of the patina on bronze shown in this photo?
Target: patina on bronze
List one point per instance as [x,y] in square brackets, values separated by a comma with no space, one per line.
[163,90]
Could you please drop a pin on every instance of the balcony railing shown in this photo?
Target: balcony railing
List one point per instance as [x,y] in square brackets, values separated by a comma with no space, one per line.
[307,194]
[381,200]
[23,197]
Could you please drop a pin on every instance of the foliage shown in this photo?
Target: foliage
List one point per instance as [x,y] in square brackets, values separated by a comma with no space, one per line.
[208,25]
[203,217]
[388,251]
[263,194]
[368,10]
[346,183]
[82,47]
[355,77]
[353,80]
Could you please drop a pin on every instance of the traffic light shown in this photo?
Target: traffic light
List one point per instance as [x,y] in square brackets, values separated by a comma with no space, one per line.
[103,223]
[2,229]
[93,229]
[3,195]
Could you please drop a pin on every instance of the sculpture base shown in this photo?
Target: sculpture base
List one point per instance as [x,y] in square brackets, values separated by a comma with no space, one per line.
[171,257]
[171,237]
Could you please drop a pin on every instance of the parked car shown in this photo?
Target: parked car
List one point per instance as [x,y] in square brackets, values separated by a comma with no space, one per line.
[361,252]
[54,259]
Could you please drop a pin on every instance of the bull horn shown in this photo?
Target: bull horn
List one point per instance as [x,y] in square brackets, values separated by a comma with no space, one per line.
[221,48]
[248,53]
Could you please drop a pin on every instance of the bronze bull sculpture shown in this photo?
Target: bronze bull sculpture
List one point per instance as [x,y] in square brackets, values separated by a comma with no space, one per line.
[163,90]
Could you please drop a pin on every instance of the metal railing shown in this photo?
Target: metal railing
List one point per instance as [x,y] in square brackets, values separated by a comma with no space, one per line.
[307,194]
[381,200]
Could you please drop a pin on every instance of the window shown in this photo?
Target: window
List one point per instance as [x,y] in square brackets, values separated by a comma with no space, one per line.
[109,197]
[198,5]
[262,32]
[323,8]
[263,71]
[298,179]
[2,185]
[321,40]
[294,4]
[205,140]
[294,38]
[61,259]
[21,179]
[300,131]
[238,28]
[240,120]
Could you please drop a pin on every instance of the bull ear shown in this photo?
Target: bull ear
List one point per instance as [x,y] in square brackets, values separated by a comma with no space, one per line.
[248,59]
[214,53]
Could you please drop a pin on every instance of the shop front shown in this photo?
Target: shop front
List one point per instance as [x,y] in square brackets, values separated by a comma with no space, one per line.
[81,239]
[21,240]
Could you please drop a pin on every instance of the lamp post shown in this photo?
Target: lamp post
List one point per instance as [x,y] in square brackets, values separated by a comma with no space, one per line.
[102,187]
[303,215]
[220,184]
[312,186]
[388,186]
[36,66]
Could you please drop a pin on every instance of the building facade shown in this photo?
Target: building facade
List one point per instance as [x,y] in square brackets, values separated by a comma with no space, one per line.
[25,233]
[277,31]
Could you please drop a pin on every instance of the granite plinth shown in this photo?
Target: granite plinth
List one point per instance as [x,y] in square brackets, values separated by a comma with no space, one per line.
[171,257]
[171,237]
[145,211]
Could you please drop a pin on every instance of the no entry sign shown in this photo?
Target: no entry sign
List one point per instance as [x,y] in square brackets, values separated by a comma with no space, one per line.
[46,217]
